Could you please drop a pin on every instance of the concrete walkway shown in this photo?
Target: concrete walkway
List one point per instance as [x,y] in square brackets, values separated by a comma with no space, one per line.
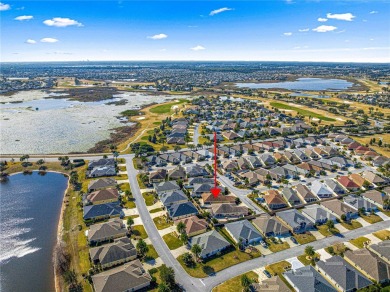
[295,263]
[363,222]
[324,255]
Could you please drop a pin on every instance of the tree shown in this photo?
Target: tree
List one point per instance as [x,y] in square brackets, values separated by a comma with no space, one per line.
[309,250]
[331,250]
[177,148]
[181,227]
[196,249]
[237,201]
[167,276]
[142,248]
[330,224]
[130,222]
[164,149]
[343,217]
[187,259]
[184,237]
[162,287]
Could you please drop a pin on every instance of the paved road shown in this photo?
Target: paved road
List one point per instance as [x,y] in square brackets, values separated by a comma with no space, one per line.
[196,135]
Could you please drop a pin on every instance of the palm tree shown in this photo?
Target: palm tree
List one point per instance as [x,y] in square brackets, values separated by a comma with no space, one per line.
[330,224]
[196,249]
[142,248]
[309,250]
[181,227]
[130,222]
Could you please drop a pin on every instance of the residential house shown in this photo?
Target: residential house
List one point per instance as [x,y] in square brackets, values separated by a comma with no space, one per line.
[229,165]
[200,189]
[348,184]
[166,186]
[243,231]
[301,155]
[194,225]
[243,164]
[291,157]
[358,203]
[317,214]
[101,171]
[253,161]
[273,284]
[177,173]
[295,220]
[196,171]
[373,178]
[305,194]
[339,208]
[291,196]
[102,211]
[101,163]
[314,153]
[208,199]
[225,211]
[270,226]
[158,176]
[173,197]
[128,277]
[113,254]
[334,186]
[106,231]
[357,179]
[307,279]
[320,190]
[376,197]
[274,200]
[369,264]
[199,180]
[267,159]
[382,250]
[210,242]
[342,275]
[230,135]
[181,210]
[101,197]
[101,183]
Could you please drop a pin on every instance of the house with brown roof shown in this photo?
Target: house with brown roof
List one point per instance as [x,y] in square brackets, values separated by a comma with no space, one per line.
[228,211]
[339,208]
[361,150]
[230,135]
[373,178]
[209,199]
[229,165]
[274,200]
[194,225]
[353,145]
[177,173]
[348,184]
[157,176]
[310,167]
[270,226]
[305,194]
[273,284]
[376,197]
[101,197]
[357,179]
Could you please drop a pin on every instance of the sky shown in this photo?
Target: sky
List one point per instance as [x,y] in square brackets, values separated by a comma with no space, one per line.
[277,30]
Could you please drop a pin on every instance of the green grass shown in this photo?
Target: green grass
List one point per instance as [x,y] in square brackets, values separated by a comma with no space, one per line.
[139,231]
[276,247]
[234,284]
[161,222]
[352,225]
[122,168]
[372,218]
[278,268]
[151,254]
[156,210]
[166,107]
[304,260]
[218,263]
[140,182]
[338,249]
[324,230]
[129,204]
[300,111]
[359,242]
[157,123]
[149,199]
[172,240]
[124,187]
[382,234]
[304,238]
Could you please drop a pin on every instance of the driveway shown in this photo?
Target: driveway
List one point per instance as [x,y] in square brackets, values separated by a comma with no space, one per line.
[324,255]
[196,135]
[289,241]
[383,216]
[295,263]
[317,234]
[373,238]
[362,221]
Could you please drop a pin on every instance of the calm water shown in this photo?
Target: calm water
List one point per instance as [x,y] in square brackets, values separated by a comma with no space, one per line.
[29,212]
[303,84]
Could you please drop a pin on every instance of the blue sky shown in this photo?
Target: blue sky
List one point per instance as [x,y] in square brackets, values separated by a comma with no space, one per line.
[294,30]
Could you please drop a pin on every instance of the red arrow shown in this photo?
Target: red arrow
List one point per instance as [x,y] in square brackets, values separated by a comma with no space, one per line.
[215,190]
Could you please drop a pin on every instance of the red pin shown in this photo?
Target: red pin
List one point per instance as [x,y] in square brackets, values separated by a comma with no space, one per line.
[215,190]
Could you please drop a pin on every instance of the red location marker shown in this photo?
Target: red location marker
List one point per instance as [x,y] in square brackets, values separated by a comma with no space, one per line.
[215,190]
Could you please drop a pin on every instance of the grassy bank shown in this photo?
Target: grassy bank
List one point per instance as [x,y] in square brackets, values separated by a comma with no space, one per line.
[301,111]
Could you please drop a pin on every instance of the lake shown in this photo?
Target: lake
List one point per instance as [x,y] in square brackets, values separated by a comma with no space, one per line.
[30,210]
[315,84]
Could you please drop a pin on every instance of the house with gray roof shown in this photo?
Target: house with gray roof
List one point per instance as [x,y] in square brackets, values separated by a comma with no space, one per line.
[129,277]
[173,197]
[357,202]
[199,180]
[267,159]
[210,242]
[376,197]
[305,193]
[101,183]
[270,226]
[291,196]
[334,186]
[317,214]
[177,173]
[253,161]
[181,210]
[200,189]
[339,208]
[113,254]
[100,163]
[106,231]
[342,275]
[102,211]
[382,250]
[196,171]
[100,171]
[273,284]
[307,279]
[243,230]
[297,222]
[320,190]
[166,186]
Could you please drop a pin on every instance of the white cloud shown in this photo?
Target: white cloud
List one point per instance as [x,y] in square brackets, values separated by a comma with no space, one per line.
[158,36]
[374,12]
[343,16]
[287,33]
[220,10]
[30,41]
[62,22]
[303,29]
[49,40]
[198,48]
[4,6]
[320,19]
[324,28]
[24,17]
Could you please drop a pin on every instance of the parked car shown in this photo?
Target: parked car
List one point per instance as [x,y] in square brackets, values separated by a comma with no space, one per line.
[267,273]
[293,240]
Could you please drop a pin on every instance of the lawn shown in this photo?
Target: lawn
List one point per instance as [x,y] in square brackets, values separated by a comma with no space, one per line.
[352,225]
[165,108]
[382,234]
[14,167]
[275,247]
[161,222]
[172,240]
[234,284]
[124,187]
[129,204]
[304,238]
[324,230]
[338,249]
[304,260]
[139,231]
[372,218]
[149,198]
[218,263]
[140,182]
[122,168]
[278,268]
[359,242]
[120,177]
[151,254]
[156,210]
[301,111]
